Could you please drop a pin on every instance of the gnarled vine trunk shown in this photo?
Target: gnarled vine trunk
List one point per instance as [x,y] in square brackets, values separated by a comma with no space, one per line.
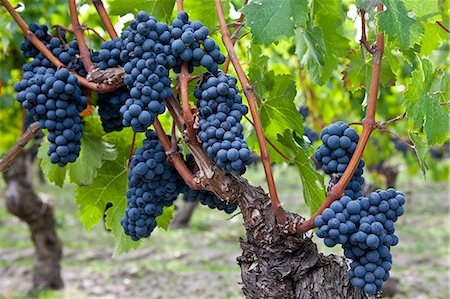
[23,201]
[277,265]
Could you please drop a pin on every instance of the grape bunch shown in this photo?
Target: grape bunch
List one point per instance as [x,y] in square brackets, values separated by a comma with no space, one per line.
[192,44]
[152,185]
[365,229]
[109,54]
[147,53]
[109,104]
[338,145]
[67,53]
[41,32]
[54,99]
[205,197]
[220,111]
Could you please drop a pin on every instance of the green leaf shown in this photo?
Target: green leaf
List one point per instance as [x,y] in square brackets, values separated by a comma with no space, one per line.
[205,11]
[358,73]
[163,220]
[321,44]
[401,30]
[421,148]
[53,172]
[277,111]
[435,36]
[312,181]
[311,50]
[94,151]
[113,216]
[160,9]
[422,102]
[366,4]
[271,20]
[108,186]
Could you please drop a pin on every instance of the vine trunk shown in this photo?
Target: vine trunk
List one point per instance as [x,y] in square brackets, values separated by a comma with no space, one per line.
[23,202]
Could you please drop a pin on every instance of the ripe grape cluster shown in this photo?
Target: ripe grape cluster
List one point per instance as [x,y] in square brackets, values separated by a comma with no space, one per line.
[365,229]
[109,104]
[54,99]
[67,53]
[193,45]
[220,111]
[147,53]
[152,185]
[338,145]
[205,197]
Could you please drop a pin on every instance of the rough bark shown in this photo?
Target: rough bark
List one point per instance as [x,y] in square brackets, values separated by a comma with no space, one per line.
[183,217]
[277,265]
[23,201]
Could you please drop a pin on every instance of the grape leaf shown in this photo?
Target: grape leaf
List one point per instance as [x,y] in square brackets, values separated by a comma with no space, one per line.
[311,50]
[425,11]
[358,73]
[312,181]
[113,216]
[163,220]
[271,20]
[94,151]
[53,172]
[422,102]
[160,9]
[435,36]
[421,148]
[108,186]
[321,43]
[205,11]
[401,30]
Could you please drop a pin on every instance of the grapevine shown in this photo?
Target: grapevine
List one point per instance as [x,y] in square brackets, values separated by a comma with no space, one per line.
[171,66]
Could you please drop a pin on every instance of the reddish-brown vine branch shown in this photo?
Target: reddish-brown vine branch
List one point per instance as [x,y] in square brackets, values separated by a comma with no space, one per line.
[78,32]
[369,125]
[183,81]
[442,26]
[234,37]
[250,94]
[29,134]
[174,157]
[105,18]
[363,39]
[101,87]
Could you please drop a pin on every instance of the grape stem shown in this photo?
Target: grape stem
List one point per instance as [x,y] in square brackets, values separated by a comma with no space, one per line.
[369,125]
[398,137]
[105,18]
[78,32]
[29,134]
[442,26]
[174,157]
[250,95]
[131,149]
[101,88]
[363,39]
[234,37]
